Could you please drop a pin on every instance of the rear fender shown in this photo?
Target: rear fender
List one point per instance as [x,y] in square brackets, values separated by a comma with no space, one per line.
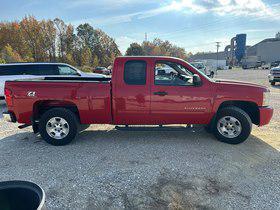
[40,107]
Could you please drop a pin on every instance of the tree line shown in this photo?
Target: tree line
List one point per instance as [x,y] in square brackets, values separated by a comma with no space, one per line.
[157,47]
[32,40]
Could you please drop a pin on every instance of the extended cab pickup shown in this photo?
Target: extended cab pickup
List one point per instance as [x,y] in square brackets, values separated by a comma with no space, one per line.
[142,91]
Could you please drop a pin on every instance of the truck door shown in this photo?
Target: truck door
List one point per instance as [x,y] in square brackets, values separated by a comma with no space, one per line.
[175,99]
[131,91]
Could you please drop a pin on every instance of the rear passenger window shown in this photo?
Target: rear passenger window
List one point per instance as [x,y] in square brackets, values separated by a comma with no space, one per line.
[135,72]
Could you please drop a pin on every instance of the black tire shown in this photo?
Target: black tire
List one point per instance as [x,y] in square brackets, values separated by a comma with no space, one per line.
[242,117]
[68,116]
[209,128]
[272,83]
[35,127]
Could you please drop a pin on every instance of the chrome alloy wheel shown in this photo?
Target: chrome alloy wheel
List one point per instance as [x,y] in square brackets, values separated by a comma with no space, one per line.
[229,127]
[57,128]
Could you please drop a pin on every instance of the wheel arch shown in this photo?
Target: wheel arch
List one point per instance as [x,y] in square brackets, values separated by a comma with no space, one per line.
[251,108]
[41,106]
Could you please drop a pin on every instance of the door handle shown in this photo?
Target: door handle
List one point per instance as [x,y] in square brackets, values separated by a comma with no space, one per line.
[161,93]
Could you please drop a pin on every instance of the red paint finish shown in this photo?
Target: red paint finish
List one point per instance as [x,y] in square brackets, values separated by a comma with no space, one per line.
[182,104]
[265,115]
[93,100]
[116,102]
[131,103]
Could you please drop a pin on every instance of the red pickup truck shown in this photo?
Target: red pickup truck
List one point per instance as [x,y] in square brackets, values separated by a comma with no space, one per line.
[142,91]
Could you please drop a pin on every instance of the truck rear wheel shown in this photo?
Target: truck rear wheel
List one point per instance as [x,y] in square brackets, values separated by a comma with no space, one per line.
[35,127]
[232,126]
[58,126]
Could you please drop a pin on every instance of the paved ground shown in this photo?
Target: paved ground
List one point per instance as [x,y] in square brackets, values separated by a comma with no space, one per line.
[180,168]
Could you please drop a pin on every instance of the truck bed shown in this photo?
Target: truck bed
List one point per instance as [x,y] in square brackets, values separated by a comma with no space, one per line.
[90,97]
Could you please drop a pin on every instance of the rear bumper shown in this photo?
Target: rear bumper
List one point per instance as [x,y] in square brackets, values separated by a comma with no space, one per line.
[265,115]
[9,117]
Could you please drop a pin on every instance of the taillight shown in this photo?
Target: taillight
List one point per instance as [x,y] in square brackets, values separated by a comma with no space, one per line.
[8,97]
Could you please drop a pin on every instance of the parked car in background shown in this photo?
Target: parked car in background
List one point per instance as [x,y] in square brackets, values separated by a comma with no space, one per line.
[251,64]
[265,65]
[14,71]
[102,70]
[275,64]
[274,75]
[110,68]
[203,68]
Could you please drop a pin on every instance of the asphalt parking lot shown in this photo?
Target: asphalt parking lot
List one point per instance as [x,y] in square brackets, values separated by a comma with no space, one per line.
[179,168]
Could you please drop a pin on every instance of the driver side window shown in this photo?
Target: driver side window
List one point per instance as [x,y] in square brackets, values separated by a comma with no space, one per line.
[172,74]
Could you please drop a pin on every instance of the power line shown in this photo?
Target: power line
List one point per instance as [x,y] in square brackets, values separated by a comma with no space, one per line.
[205,29]
[194,28]
[214,26]
[216,22]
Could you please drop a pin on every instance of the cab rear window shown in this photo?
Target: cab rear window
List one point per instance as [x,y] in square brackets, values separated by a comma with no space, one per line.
[135,72]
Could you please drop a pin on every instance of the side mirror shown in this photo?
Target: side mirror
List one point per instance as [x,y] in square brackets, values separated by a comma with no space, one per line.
[196,80]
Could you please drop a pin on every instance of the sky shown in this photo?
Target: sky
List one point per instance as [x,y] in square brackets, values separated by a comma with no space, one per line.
[192,24]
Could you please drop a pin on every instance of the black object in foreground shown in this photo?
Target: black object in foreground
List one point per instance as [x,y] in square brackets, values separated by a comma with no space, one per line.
[21,195]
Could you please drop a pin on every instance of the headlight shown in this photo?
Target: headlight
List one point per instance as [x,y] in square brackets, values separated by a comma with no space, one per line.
[266,98]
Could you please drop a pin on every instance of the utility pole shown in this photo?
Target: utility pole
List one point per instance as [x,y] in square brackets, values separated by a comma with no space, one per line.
[146,37]
[218,46]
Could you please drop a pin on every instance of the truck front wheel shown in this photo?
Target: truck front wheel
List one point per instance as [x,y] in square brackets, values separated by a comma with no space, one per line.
[232,126]
[58,126]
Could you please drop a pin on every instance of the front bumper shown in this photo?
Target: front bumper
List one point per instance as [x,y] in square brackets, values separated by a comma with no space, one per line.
[266,114]
[9,117]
